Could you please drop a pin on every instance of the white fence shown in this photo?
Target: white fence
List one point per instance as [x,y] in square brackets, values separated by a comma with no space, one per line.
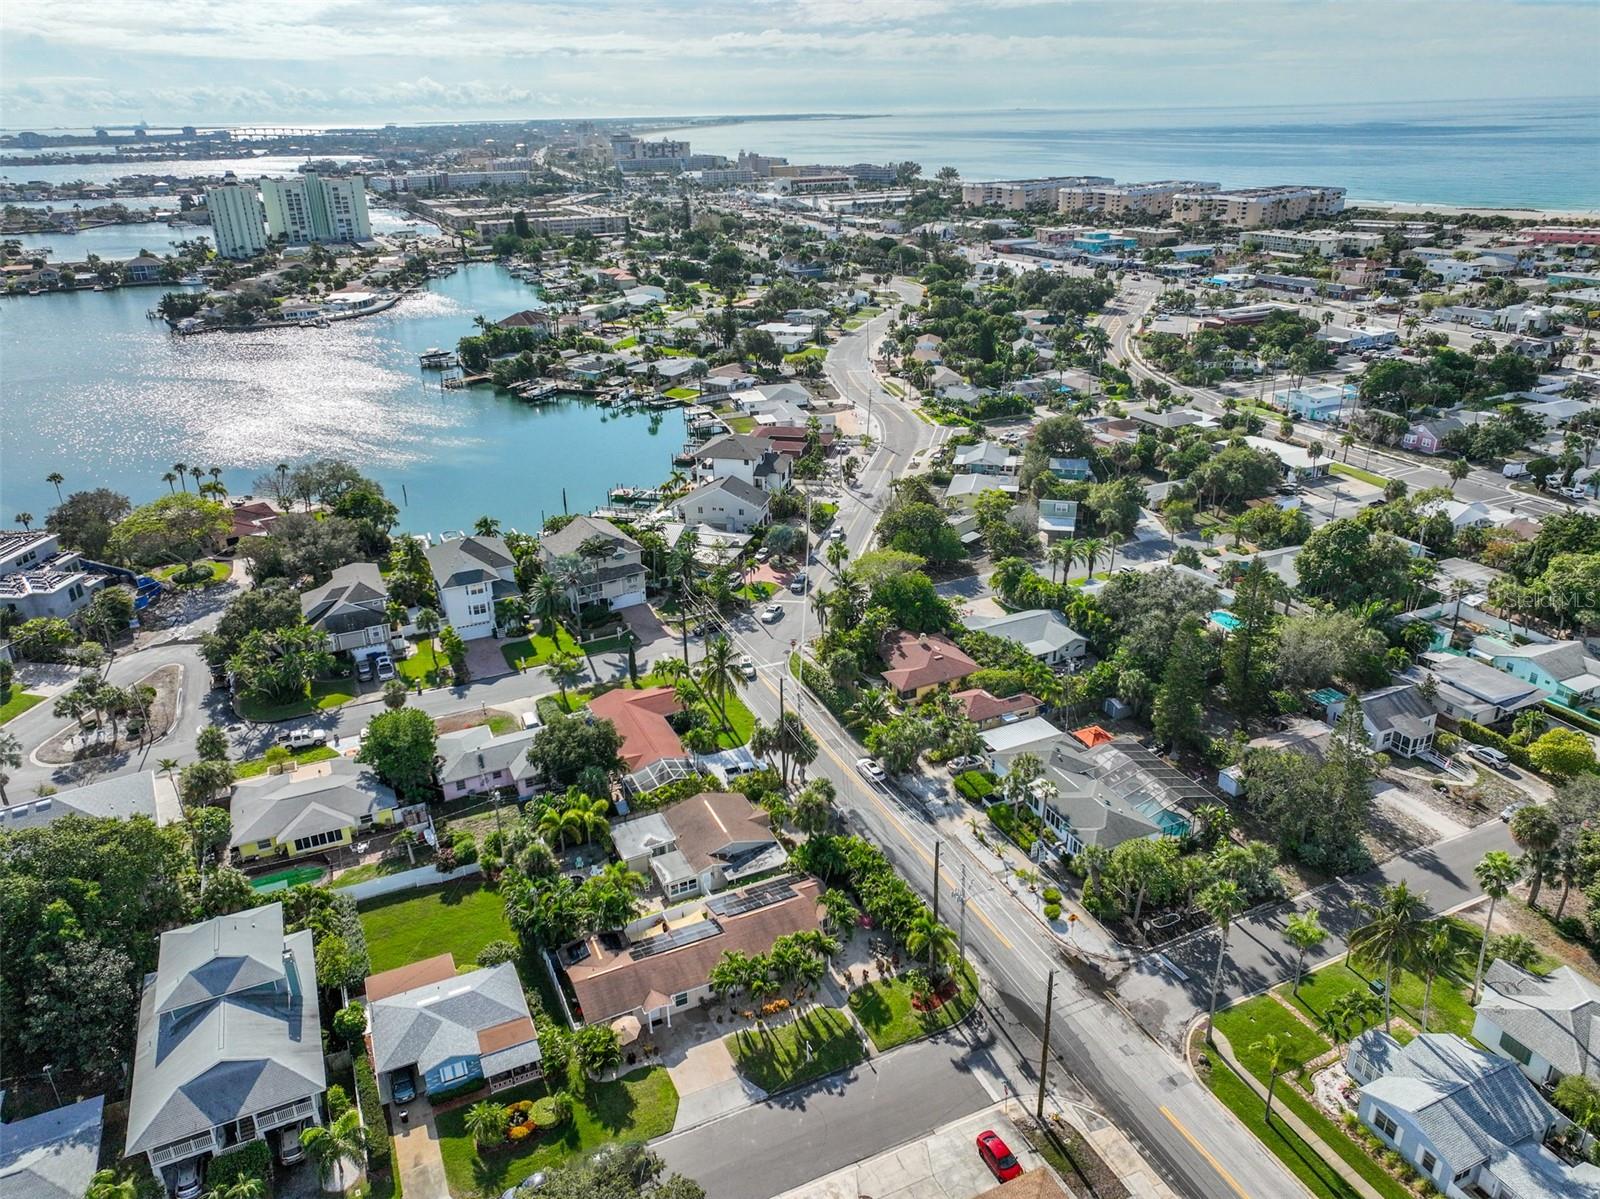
[406,880]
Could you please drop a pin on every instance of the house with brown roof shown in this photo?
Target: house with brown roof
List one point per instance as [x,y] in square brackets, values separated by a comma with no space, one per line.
[528,318]
[662,964]
[641,719]
[451,1029]
[989,711]
[916,663]
[700,845]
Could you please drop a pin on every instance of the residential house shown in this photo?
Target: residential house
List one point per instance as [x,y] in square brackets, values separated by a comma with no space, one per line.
[732,377]
[528,318]
[991,711]
[1396,718]
[251,518]
[1176,418]
[471,573]
[668,372]
[451,1030]
[1467,689]
[916,663]
[617,580]
[352,609]
[1428,436]
[1548,1025]
[662,964]
[53,1155]
[641,720]
[1469,1121]
[1317,401]
[143,269]
[699,845]
[964,490]
[1072,470]
[323,804]
[1058,519]
[987,458]
[1296,460]
[229,1044]
[790,338]
[1564,669]
[794,441]
[1043,632]
[728,503]
[742,456]
[1465,514]
[39,578]
[474,761]
[120,797]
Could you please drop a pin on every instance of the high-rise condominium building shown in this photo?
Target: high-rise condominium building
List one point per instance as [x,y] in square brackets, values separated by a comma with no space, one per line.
[236,225]
[1258,207]
[315,208]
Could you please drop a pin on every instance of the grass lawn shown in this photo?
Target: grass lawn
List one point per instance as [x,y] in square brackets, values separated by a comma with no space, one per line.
[740,718]
[1448,1012]
[799,356]
[459,918]
[19,703]
[368,871]
[258,766]
[324,694]
[681,393]
[793,1052]
[741,424]
[526,652]
[1263,1016]
[756,592]
[604,645]
[1355,472]
[423,665]
[625,343]
[885,1011]
[636,1107]
[219,574]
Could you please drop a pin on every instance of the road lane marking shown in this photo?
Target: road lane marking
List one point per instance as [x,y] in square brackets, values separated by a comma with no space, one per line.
[1204,1152]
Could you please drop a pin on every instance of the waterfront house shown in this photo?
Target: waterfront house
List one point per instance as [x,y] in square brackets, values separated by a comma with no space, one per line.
[321,805]
[1469,1121]
[729,504]
[616,578]
[471,573]
[1043,632]
[1566,670]
[662,963]
[143,269]
[733,377]
[1395,718]
[451,1030]
[351,608]
[229,1044]
[475,761]
[529,318]
[742,456]
[991,711]
[916,663]
[1549,1025]
[120,797]
[38,578]
[52,1155]
[699,845]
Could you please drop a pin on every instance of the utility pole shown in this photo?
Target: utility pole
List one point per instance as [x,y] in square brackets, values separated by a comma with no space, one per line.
[1044,1050]
[961,935]
[937,845]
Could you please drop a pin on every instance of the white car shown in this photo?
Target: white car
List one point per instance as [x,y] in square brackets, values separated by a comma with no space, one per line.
[1489,756]
[302,738]
[747,667]
[871,769]
[772,613]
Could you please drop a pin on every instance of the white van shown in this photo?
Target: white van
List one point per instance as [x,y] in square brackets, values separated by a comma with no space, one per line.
[1514,470]
[530,720]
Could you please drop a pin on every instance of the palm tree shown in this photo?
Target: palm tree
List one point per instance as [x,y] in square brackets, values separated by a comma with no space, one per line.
[1536,832]
[925,935]
[239,1188]
[1277,1055]
[486,526]
[553,826]
[10,759]
[169,479]
[486,1122]
[1396,926]
[549,597]
[1222,901]
[25,519]
[55,478]
[1436,954]
[813,807]
[1458,469]
[1350,1014]
[344,1140]
[106,1185]
[427,622]
[566,668]
[841,909]
[585,816]
[1089,551]
[1496,871]
[836,553]
[1305,932]
[719,675]
[181,472]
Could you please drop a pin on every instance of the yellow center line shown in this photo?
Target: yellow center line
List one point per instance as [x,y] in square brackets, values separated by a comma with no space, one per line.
[1204,1152]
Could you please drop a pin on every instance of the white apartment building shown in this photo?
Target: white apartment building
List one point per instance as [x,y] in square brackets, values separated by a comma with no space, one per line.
[577,218]
[1258,207]
[1129,199]
[1328,243]
[634,154]
[441,181]
[1026,193]
[314,208]
[237,227]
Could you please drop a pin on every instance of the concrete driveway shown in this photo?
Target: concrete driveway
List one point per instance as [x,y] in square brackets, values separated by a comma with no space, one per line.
[416,1153]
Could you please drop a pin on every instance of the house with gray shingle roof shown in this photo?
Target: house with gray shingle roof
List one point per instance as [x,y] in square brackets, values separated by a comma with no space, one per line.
[351,608]
[1468,1120]
[1565,669]
[729,504]
[1549,1026]
[451,1029]
[617,579]
[323,804]
[1396,718]
[52,1155]
[473,761]
[1043,632]
[229,1046]
[471,573]
[120,797]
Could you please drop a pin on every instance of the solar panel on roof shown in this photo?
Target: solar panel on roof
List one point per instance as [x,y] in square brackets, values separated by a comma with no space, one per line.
[761,896]
[676,939]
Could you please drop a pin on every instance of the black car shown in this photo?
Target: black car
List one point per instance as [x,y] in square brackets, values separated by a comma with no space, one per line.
[403,1085]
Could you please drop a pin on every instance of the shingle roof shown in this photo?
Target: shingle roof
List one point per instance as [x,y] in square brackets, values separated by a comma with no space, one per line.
[445,1019]
[981,705]
[1558,1016]
[578,530]
[326,796]
[120,797]
[1396,707]
[740,446]
[463,560]
[353,598]
[718,826]
[1040,631]
[745,493]
[52,1155]
[922,660]
[470,752]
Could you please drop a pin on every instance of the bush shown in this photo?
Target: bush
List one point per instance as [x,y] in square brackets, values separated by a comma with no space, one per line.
[496,953]
[350,1022]
[1052,895]
[975,784]
[1052,911]
[465,849]
[380,1149]
[550,1112]
[670,793]
[1447,743]
[247,1161]
[1013,824]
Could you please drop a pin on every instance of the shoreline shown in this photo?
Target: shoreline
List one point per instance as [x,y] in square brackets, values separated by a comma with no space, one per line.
[1512,213]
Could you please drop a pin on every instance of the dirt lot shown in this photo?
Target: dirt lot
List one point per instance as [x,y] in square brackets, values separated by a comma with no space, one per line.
[1513,916]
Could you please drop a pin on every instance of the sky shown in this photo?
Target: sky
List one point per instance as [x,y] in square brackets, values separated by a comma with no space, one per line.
[65,63]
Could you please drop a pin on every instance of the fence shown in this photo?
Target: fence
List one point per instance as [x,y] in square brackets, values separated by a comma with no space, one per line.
[407,880]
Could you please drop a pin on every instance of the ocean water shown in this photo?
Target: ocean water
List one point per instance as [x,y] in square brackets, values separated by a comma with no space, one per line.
[105,172]
[91,388]
[157,237]
[1539,153]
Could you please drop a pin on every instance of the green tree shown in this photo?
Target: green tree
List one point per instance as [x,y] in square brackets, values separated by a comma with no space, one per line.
[1178,707]
[402,747]
[1495,872]
[486,1122]
[212,744]
[1562,753]
[566,668]
[1395,929]
[1246,658]
[175,528]
[931,940]
[1436,954]
[1304,931]
[1536,833]
[331,1145]
[1277,1054]
[719,675]
[1223,901]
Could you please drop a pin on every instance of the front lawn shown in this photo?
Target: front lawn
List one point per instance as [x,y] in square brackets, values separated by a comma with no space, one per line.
[799,356]
[1355,472]
[216,572]
[458,918]
[537,649]
[636,1107]
[1264,1016]
[756,593]
[681,393]
[324,694]
[19,703]
[740,720]
[796,1051]
[425,665]
[741,424]
[885,1011]
[258,766]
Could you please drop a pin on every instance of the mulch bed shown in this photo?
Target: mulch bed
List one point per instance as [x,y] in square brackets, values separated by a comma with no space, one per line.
[945,992]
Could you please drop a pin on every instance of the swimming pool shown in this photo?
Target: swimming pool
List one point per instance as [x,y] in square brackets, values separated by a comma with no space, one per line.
[1225,619]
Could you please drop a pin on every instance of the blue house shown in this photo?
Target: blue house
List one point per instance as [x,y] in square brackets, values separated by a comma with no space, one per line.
[451,1030]
[1565,669]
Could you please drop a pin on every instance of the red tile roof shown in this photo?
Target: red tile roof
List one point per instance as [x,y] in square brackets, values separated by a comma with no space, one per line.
[916,660]
[1093,735]
[641,718]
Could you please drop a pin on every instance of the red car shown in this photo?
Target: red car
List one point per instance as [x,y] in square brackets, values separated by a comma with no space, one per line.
[997,1156]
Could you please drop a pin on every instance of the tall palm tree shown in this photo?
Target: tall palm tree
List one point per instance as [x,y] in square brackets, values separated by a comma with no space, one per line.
[586,816]
[1305,932]
[1495,872]
[719,675]
[836,553]
[1089,551]
[931,939]
[871,707]
[549,600]
[1536,833]
[169,479]
[55,478]
[197,473]
[1222,901]
[1395,928]
[842,911]
[565,668]
[344,1140]
[1277,1055]
[1113,540]
[1436,954]
[486,526]
[181,470]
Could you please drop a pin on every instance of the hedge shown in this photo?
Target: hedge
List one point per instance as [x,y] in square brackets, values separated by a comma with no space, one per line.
[670,793]
[445,1094]
[1561,712]
[816,681]
[247,1161]
[1007,819]
[380,1147]
[1473,731]
[975,784]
